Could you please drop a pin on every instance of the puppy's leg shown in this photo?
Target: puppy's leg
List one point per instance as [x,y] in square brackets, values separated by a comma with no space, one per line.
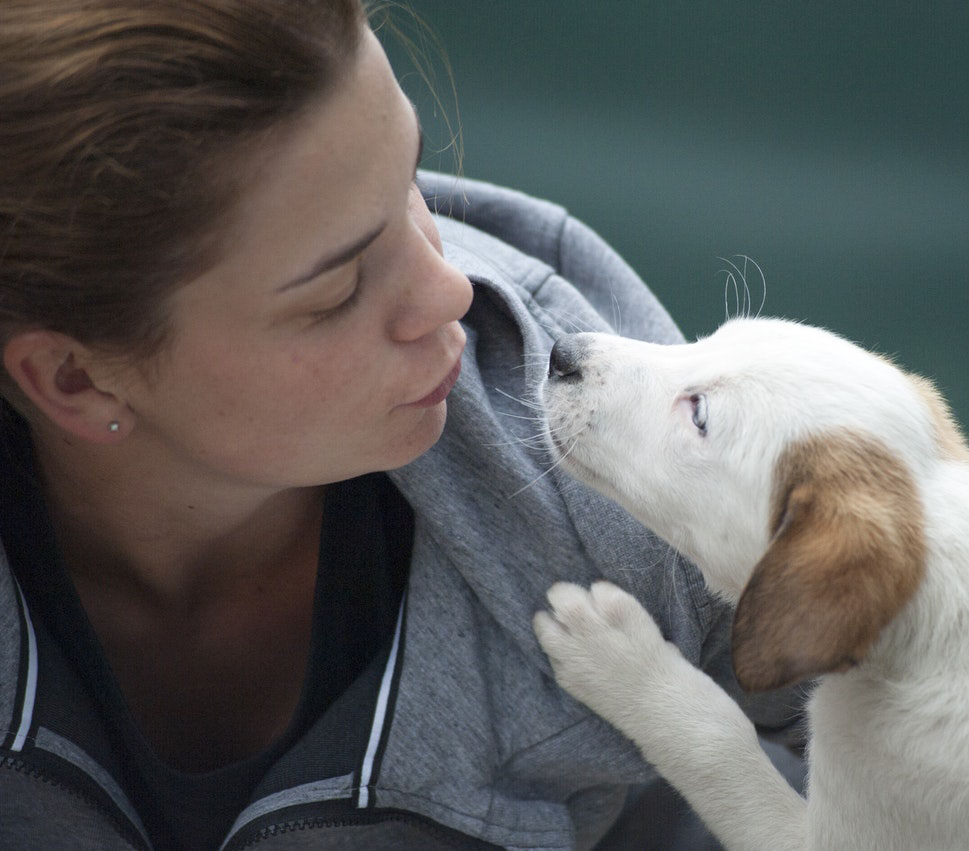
[608,653]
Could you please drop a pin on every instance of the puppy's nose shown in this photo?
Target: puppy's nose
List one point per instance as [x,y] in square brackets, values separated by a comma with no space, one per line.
[566,357]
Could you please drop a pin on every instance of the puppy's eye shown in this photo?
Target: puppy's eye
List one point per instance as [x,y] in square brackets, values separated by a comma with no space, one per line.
[699,403]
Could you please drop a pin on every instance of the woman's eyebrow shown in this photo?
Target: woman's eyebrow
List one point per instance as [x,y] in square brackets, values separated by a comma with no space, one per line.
[348,252]
[335,260]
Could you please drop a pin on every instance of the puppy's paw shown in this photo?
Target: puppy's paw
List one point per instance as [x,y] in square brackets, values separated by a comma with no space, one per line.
[601,643]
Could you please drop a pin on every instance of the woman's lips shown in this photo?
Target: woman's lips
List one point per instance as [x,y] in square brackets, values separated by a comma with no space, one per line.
[439,393]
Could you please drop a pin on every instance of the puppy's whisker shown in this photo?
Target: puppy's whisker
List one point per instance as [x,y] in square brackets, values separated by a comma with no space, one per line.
[556,431]
[535,442]
[567,319]
[743,306]
[763,282]
[551,467]
[533,358]
[552,328]
[671,567]
[616,314]
[525,403]
[553,331]
[729,279]
[674,567]
[519,416]
[566,323]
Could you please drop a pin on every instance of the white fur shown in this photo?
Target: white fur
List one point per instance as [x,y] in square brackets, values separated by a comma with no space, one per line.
[889,739]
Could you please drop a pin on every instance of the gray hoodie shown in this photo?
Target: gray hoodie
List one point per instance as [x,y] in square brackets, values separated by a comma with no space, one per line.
[463,740]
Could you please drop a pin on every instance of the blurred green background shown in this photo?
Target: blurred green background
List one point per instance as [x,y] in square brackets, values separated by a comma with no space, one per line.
[828,141]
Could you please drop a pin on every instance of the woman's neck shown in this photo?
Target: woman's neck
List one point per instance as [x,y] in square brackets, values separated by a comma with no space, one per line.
[170,536]
[199,594]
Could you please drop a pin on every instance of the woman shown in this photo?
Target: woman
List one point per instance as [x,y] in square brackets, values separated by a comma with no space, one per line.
[226,312]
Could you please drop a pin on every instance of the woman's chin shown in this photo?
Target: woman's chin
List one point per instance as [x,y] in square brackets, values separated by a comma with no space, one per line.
[423,436]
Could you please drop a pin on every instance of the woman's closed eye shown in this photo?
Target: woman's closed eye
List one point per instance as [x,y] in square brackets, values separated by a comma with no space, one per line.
[341,295]
[323,313]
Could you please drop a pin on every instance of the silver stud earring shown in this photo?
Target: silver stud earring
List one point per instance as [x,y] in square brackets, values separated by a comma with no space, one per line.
[114,426]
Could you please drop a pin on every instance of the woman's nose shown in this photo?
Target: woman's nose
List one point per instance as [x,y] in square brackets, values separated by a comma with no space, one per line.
[435,293]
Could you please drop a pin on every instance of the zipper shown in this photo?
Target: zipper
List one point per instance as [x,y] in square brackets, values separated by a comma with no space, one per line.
[124,828]
[451,839]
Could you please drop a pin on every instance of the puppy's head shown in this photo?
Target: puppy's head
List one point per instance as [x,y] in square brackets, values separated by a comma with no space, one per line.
[782,459]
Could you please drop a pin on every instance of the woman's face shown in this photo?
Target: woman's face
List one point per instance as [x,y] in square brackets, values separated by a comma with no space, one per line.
[323,344]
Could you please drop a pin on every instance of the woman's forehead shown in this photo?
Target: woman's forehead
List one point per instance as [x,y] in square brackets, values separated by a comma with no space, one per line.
[324,181]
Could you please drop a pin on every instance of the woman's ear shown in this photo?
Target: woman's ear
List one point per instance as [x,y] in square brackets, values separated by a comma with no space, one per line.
[848,552]
[53,371]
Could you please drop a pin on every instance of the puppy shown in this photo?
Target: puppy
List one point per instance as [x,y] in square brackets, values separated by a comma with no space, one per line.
[824,493]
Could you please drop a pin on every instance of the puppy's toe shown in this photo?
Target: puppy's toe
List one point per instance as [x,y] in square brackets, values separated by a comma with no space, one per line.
[623,611]
[548,630]
[614,603]
[573,607]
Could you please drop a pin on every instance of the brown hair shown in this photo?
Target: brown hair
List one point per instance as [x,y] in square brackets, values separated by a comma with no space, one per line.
[123,124]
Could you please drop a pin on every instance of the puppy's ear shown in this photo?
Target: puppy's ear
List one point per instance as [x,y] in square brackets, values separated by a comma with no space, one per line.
[847,553]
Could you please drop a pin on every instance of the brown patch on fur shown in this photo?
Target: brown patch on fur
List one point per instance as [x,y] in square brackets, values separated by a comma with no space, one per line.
[951,442]
[848,551]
